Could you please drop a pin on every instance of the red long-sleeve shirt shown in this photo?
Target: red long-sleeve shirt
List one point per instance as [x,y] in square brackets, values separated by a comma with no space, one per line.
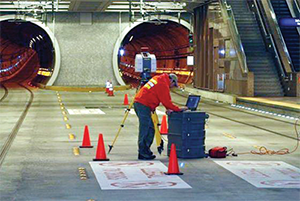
[156,91]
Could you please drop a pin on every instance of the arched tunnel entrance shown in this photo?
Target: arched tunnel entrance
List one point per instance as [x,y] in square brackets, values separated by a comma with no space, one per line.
[166,39]
[27,53]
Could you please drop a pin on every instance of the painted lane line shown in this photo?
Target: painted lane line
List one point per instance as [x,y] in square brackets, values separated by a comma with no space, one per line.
[85,111]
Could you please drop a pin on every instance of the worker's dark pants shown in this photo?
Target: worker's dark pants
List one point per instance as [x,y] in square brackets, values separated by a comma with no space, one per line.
[146,129]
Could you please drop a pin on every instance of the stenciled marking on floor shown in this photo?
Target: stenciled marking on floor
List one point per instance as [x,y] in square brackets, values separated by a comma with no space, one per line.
[265,174]
[123,175]
[85,111]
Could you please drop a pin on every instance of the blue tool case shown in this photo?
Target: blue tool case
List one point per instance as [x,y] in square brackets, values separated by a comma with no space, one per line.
[187,132]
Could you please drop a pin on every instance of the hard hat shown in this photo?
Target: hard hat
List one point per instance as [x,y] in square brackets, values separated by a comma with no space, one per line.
[174,78]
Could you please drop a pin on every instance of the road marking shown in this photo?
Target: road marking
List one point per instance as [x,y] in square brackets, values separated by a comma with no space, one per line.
[257,147]
[85,111]
[82,173]
[71,136]
[76,151]
[229,136]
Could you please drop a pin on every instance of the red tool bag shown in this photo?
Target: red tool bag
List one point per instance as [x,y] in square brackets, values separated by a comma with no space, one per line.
[218,152]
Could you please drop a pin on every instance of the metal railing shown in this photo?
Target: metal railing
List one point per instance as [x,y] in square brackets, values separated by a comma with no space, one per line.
[268,37]
[296,10]
[288,66]
[235,36]
[296,6]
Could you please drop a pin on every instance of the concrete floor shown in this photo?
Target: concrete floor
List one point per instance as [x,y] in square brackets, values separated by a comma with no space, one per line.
[40,164]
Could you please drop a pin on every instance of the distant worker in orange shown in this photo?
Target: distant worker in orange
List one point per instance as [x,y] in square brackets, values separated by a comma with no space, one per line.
[154,92]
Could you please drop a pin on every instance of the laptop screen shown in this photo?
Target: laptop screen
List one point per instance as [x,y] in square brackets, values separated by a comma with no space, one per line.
[192,102]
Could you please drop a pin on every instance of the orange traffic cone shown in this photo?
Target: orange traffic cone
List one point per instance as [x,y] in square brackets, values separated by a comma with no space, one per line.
[173,163]
[100,154]
[86,143]
[111,92]
[126,100]
[164,127]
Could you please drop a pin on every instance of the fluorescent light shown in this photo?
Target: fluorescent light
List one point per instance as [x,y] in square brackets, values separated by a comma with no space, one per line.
[122,52]
[222,51]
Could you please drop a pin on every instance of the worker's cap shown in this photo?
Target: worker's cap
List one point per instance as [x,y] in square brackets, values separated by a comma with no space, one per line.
[174,78]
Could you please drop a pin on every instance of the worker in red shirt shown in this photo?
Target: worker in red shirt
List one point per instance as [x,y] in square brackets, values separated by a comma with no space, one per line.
[154,92]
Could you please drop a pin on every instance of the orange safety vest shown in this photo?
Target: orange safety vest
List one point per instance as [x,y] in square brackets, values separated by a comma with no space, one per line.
[156,91]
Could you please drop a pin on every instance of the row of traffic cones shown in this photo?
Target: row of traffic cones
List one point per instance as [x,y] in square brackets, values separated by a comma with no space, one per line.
[173,168]
[86,143]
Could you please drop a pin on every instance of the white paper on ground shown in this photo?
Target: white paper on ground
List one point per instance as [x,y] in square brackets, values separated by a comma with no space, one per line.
[123,175]
[265,174]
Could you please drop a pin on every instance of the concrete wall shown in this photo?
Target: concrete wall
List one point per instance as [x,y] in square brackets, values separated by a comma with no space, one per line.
[86,50]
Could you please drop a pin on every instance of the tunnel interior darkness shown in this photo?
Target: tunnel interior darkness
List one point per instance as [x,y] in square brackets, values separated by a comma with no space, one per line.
[26,53]
[169,42]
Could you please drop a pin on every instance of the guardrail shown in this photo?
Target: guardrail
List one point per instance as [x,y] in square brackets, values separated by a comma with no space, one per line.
[268,37]
[236,39]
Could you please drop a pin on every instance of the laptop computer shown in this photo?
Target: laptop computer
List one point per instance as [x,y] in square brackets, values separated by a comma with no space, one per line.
[192,102]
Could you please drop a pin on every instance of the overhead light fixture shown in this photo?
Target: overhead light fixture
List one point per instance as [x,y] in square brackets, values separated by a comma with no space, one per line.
[222,51]
[122,52]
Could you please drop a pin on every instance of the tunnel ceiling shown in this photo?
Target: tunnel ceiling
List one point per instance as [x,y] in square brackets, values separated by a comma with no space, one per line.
[29,35]
[165,35]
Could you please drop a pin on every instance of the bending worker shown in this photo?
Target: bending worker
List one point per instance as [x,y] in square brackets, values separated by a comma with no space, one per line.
[154,92]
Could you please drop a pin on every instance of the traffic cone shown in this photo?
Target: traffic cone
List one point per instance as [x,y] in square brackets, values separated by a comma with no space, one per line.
[100,154]
[86,143]
[126,100]
[111,90]
[164,127]
[173,168]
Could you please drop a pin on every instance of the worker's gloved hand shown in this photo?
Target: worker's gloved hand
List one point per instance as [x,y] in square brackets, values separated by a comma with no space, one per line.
[184,108]
[168,112]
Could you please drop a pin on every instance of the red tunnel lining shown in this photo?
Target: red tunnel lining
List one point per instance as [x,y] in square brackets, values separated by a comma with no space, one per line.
[24,62]
[15,40]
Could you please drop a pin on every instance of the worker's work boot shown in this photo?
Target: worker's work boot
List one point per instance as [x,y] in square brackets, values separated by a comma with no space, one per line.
[141,157]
